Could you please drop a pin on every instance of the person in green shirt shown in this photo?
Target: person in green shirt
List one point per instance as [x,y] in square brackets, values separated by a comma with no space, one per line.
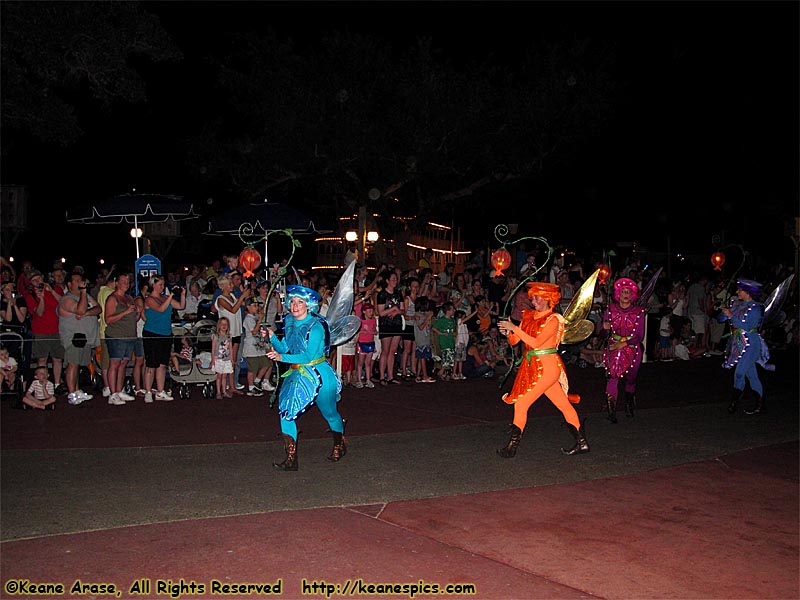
[445,330]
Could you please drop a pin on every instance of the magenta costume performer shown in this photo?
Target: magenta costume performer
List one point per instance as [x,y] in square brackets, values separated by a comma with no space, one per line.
[623,326]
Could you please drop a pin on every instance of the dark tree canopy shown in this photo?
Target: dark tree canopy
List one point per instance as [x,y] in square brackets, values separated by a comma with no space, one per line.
[332,122]
[57,55]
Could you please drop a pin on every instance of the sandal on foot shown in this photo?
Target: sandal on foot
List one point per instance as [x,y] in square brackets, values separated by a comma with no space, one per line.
[383,382]
[394,381]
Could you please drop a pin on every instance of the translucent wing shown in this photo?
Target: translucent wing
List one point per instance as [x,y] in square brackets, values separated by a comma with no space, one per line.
[576,326]
[644,295]
[342,324]
[343,295]
[773,304]
[344,329]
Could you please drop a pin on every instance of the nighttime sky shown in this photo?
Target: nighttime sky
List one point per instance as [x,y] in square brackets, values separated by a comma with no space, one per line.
[706,131]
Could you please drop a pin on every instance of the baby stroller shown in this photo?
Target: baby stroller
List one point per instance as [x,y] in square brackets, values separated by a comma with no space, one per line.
[197,373]
[15,344]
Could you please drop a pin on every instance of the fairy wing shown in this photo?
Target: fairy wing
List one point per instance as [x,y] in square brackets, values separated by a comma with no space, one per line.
[342,324]
[774,302]
[576,326]
[647,291]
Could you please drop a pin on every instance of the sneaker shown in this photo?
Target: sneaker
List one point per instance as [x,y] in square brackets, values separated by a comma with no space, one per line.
[267,386]
[163,396]
[254,391]
[141,392]
[240,386]
[61,389]
[148,397]
[84,395]
[116,400]
[369,384]
[126,397]
[106,392]
[358,384]
[75,398]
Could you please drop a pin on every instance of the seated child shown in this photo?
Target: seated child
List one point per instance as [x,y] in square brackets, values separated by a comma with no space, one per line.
[8,371]
[182,361]
[41,393]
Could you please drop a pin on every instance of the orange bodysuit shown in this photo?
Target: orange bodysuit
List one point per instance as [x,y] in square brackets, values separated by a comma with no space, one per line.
[543,373]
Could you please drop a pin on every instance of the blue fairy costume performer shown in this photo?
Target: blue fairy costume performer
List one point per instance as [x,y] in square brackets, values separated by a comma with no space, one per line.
[746,348]
[308,338]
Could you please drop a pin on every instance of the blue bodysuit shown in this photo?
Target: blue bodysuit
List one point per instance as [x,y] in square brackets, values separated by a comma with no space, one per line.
[310,379]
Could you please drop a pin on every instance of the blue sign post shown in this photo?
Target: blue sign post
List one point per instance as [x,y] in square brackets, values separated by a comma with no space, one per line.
[147,265]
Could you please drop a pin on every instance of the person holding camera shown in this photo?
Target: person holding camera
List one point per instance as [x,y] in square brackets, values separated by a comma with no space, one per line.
[79,330]
[42,301]
[157,336]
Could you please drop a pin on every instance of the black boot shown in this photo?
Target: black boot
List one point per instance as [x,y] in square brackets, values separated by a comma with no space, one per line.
[290,447]
[581,445]
[759,407]
[630,404]
[736,395]
[511,449]
[611,404]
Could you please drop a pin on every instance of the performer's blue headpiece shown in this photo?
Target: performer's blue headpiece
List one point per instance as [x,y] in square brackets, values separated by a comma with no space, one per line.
[307,295]
[751,287]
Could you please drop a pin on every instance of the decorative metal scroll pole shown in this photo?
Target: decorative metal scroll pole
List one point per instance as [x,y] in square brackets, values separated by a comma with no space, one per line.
[718,259]
[500,260]
[249,239]
[500,232]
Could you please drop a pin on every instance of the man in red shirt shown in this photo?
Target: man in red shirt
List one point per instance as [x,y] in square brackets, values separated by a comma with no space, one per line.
[42,301]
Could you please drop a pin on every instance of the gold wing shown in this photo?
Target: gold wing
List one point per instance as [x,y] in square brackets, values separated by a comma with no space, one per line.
[576,326]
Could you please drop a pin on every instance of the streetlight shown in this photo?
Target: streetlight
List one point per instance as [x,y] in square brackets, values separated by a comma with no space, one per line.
[136,233]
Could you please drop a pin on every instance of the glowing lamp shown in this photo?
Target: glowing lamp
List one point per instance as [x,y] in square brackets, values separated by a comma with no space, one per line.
[250,259]
[718,259]
[604,274]
[501,259]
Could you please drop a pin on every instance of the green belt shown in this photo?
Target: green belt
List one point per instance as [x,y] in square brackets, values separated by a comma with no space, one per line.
[537,352]
[621,338]
[316,361]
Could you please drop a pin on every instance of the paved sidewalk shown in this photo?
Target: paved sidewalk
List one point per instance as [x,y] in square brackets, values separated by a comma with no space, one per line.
[683,501]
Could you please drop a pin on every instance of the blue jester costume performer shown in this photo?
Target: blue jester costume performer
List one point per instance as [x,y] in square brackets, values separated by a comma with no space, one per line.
[746,348]
[310,378]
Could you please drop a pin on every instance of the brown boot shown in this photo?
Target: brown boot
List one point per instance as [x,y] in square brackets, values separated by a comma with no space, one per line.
[339,446]
[290,447]
[511,449]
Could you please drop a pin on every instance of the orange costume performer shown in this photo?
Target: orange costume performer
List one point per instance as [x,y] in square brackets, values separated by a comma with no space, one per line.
[541,370]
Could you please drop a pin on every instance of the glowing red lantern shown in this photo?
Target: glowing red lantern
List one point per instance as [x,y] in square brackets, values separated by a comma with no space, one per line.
[501,259]
[603,274]
[718,259]
[250,260]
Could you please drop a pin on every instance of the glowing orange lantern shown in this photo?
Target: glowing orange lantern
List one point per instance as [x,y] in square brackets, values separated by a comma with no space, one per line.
[250,260]
[604,274]
[501,259]
[718,259]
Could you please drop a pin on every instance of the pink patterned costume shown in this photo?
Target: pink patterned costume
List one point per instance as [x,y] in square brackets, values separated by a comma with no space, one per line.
[627,321]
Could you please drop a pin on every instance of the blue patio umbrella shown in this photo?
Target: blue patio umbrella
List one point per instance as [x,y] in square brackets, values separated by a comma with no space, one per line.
[251,222]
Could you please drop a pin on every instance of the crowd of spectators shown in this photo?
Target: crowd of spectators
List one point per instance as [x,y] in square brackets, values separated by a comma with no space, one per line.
[419,325]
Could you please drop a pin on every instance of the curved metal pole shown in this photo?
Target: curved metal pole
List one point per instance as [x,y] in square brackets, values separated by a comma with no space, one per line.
[246,232]
[500,231]
[731,287]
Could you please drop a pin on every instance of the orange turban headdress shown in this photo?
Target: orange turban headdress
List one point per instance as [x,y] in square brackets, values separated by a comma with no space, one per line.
[549,291]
